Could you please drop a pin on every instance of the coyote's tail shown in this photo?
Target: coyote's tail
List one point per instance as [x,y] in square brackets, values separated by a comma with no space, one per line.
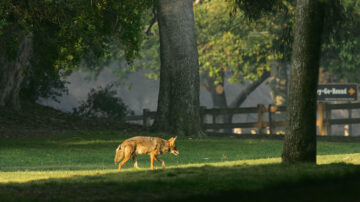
[118,154]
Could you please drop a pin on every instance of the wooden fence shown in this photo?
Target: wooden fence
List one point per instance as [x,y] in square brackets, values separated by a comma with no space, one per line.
[260,124]
[324,120]
[145,118]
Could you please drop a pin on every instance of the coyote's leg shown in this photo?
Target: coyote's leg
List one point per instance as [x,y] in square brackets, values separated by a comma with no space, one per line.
[127,152]
[152,156]
[135,161]
[162,162]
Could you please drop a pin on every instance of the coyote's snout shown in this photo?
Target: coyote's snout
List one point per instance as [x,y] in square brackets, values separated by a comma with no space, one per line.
[153,146]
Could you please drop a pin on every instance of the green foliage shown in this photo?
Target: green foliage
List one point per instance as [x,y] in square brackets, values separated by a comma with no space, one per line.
[102,102]
[150,54]
[255,8]
[43,79]
[341,51]
[148,57]
[70,32]
[340,37]
[234,44]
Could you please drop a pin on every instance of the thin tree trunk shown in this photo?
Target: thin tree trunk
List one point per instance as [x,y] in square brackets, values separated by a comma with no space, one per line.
[300,138]
[13,73]
[278,83]
[217,93]
[218,97]
[178,103]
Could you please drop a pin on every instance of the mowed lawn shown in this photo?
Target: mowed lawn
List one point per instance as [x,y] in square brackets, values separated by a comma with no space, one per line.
[79,167]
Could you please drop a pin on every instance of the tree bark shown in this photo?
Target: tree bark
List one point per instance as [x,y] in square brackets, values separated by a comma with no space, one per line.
[300,138]
[178,102]
[13,72]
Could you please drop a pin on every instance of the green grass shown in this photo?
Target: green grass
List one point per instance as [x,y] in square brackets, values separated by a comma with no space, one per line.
[79,166]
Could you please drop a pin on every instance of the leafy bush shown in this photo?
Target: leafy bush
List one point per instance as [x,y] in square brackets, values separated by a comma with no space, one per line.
[102,102]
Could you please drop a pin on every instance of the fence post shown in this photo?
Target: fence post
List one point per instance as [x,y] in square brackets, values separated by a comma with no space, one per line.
[146,118]
[214,120]
[202,115]
[270,119]
[327,118]
[350,117]
[260,111]
[321,119]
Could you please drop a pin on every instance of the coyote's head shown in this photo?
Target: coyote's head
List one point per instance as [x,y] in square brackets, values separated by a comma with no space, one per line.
[173,149]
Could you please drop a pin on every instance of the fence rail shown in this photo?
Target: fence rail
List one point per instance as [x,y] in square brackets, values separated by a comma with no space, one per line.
[260,124]
[324,120]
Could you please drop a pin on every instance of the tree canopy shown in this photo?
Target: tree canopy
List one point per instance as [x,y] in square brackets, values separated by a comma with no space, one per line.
[66,33]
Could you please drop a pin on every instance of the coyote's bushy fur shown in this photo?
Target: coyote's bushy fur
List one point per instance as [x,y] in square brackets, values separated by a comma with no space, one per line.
[152,146]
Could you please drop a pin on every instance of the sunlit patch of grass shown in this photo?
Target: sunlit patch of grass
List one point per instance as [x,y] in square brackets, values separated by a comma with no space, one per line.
[26,176]
[339,158]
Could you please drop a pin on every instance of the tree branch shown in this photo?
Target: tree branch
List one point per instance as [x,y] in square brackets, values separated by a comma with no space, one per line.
[249,89]
[204,85]
[197,2]
[152,22]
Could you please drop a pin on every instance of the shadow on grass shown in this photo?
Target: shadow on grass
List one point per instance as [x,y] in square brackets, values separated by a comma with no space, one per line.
[274,182]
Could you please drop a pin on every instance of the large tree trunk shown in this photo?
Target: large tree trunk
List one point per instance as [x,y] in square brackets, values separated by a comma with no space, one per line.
[300,138]
[13,72]
[178,103]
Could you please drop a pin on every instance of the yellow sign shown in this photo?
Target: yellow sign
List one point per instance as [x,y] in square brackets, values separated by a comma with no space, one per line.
[352,91]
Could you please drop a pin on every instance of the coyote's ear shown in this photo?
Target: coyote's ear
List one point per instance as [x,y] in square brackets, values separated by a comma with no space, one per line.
[172,139]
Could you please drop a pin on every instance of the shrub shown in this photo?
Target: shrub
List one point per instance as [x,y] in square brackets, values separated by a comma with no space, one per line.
[102,102]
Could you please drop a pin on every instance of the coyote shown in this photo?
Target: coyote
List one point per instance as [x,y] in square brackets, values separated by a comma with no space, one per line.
[144,145]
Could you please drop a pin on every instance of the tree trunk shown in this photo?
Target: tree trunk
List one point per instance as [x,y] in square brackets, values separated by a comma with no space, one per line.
[13,73]
[278,84]
[217,93]
[218,97]
[178,103]
[300,138]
